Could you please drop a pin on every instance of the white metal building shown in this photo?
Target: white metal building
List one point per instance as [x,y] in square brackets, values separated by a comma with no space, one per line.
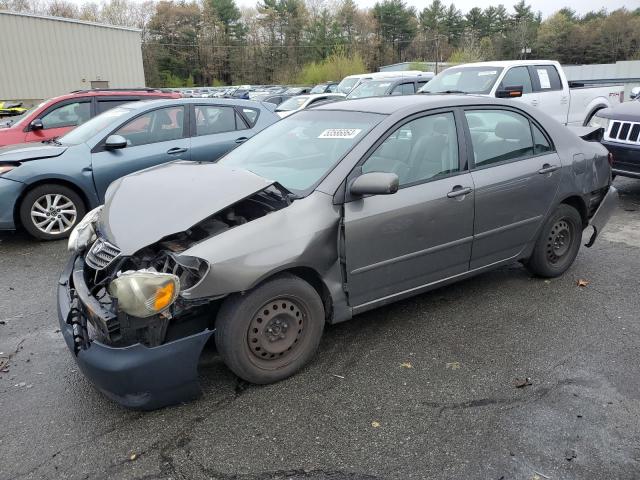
[41,57]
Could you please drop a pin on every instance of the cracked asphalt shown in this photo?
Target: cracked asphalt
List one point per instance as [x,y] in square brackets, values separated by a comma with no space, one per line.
[424,388]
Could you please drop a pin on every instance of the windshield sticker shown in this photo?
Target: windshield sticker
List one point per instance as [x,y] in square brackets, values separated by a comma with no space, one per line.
[487,72]
[543,76]
[340,133]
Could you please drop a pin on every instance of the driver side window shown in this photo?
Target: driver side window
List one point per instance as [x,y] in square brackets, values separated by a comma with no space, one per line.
[160,125]
[69,115]
[420,150]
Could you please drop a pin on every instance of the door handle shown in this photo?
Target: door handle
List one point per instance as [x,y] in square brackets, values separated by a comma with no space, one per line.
[176,150]
[459,191]
[241,139]
[546,168]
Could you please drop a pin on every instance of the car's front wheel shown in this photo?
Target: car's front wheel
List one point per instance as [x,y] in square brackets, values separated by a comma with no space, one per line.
[49,212]
[272,331]
[558,243]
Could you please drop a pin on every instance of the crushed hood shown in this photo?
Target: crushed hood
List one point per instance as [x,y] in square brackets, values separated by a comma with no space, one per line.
[146,206]
[24,152]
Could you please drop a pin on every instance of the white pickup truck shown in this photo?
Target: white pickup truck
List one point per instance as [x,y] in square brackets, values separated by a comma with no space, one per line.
[542,82]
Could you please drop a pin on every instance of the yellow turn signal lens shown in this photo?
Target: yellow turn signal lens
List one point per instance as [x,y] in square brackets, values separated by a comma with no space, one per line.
[164,296]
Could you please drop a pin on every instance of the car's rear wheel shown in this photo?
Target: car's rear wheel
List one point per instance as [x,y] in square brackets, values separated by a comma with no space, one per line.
[558,243]
[49,212]
[272,331]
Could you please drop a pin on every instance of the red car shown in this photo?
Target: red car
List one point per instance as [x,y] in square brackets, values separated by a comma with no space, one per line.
[56,116]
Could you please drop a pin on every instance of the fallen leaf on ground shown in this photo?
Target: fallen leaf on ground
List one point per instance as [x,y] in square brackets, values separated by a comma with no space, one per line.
[375,424]
[453,365]
[406,365]
[523,383]
[133,457]
[583,283]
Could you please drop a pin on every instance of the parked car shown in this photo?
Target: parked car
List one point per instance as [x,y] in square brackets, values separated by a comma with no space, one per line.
[297,91]
[621,136]
[300,102]
[276,99]
[48,187]
[326,87]
[57,116]
[350,82]
[542,82]
[388,86]
[326,214]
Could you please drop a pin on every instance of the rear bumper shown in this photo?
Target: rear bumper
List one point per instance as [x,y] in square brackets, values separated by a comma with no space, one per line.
[135,376]
[603,214]
[9,193]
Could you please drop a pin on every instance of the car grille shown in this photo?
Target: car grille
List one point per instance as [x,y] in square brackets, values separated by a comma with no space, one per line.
[101,254]
[624,132]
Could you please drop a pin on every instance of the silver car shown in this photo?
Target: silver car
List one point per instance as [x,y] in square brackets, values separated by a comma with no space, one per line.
[321,216]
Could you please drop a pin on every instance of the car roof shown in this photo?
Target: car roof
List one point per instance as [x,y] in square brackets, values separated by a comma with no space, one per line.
[391,104]
[506,63]
[200,101]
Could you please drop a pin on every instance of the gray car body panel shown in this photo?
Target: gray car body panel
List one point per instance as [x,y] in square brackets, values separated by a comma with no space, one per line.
[492,225]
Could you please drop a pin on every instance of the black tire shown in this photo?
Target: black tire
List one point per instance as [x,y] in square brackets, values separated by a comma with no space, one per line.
[257,348]
[558,243]
[61,219]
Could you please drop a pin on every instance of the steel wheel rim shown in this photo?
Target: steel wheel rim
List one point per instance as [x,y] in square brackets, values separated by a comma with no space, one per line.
[276,330]
[53,213]
[559,241]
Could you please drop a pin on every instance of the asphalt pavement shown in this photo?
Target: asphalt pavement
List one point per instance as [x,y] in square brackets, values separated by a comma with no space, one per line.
[426,388]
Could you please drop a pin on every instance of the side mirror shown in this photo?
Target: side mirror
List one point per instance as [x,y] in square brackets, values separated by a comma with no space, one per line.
[36,124]
[509,92]
[114,142]
[374,183]
[635,93]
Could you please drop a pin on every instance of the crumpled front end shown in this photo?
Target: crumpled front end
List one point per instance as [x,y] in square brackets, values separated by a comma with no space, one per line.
[139,363]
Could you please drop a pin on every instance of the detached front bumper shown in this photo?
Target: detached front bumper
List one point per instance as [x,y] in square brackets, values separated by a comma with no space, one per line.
[135,376]
[603,214]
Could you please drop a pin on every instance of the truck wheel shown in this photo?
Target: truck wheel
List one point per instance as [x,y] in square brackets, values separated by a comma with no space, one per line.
[272,331]
[557,244]
[49,212]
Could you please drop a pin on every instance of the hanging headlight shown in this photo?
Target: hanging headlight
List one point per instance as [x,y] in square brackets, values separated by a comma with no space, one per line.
[144,293]
[84,233]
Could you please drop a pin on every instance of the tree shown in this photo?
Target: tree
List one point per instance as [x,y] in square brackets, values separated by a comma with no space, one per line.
[396,24]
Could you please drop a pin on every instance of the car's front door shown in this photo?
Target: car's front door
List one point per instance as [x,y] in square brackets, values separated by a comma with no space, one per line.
[516,173]
[216,129]
[519,77]
[59,119]
[154,137]
[423,232]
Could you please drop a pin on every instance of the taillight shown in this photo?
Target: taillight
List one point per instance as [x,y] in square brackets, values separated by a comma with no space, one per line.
[610,158]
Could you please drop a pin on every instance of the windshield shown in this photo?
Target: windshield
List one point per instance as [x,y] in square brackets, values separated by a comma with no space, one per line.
[347,84]
[300,150]
[466,79]
[15,119]
[292,104]
[87,130]
[372,88]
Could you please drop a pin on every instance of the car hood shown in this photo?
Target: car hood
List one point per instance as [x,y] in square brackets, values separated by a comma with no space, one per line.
[24,152]
[627,111]
[146,206]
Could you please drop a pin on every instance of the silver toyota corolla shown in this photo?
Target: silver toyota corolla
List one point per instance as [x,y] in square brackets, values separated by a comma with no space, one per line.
[329,213]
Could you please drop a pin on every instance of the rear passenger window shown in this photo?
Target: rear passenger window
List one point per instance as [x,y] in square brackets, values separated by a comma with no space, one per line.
[251,114]
[498,136]
[547,78]
[104,105]
[540,142]
[214,119]
[403,89]
[420,150]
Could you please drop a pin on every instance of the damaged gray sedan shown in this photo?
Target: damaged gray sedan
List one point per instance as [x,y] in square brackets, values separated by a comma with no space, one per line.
[327,214]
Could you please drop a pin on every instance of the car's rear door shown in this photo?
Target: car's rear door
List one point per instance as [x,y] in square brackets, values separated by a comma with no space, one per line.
[423,232]
[153,137]
[552,98]
[215,130]
[516,173]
